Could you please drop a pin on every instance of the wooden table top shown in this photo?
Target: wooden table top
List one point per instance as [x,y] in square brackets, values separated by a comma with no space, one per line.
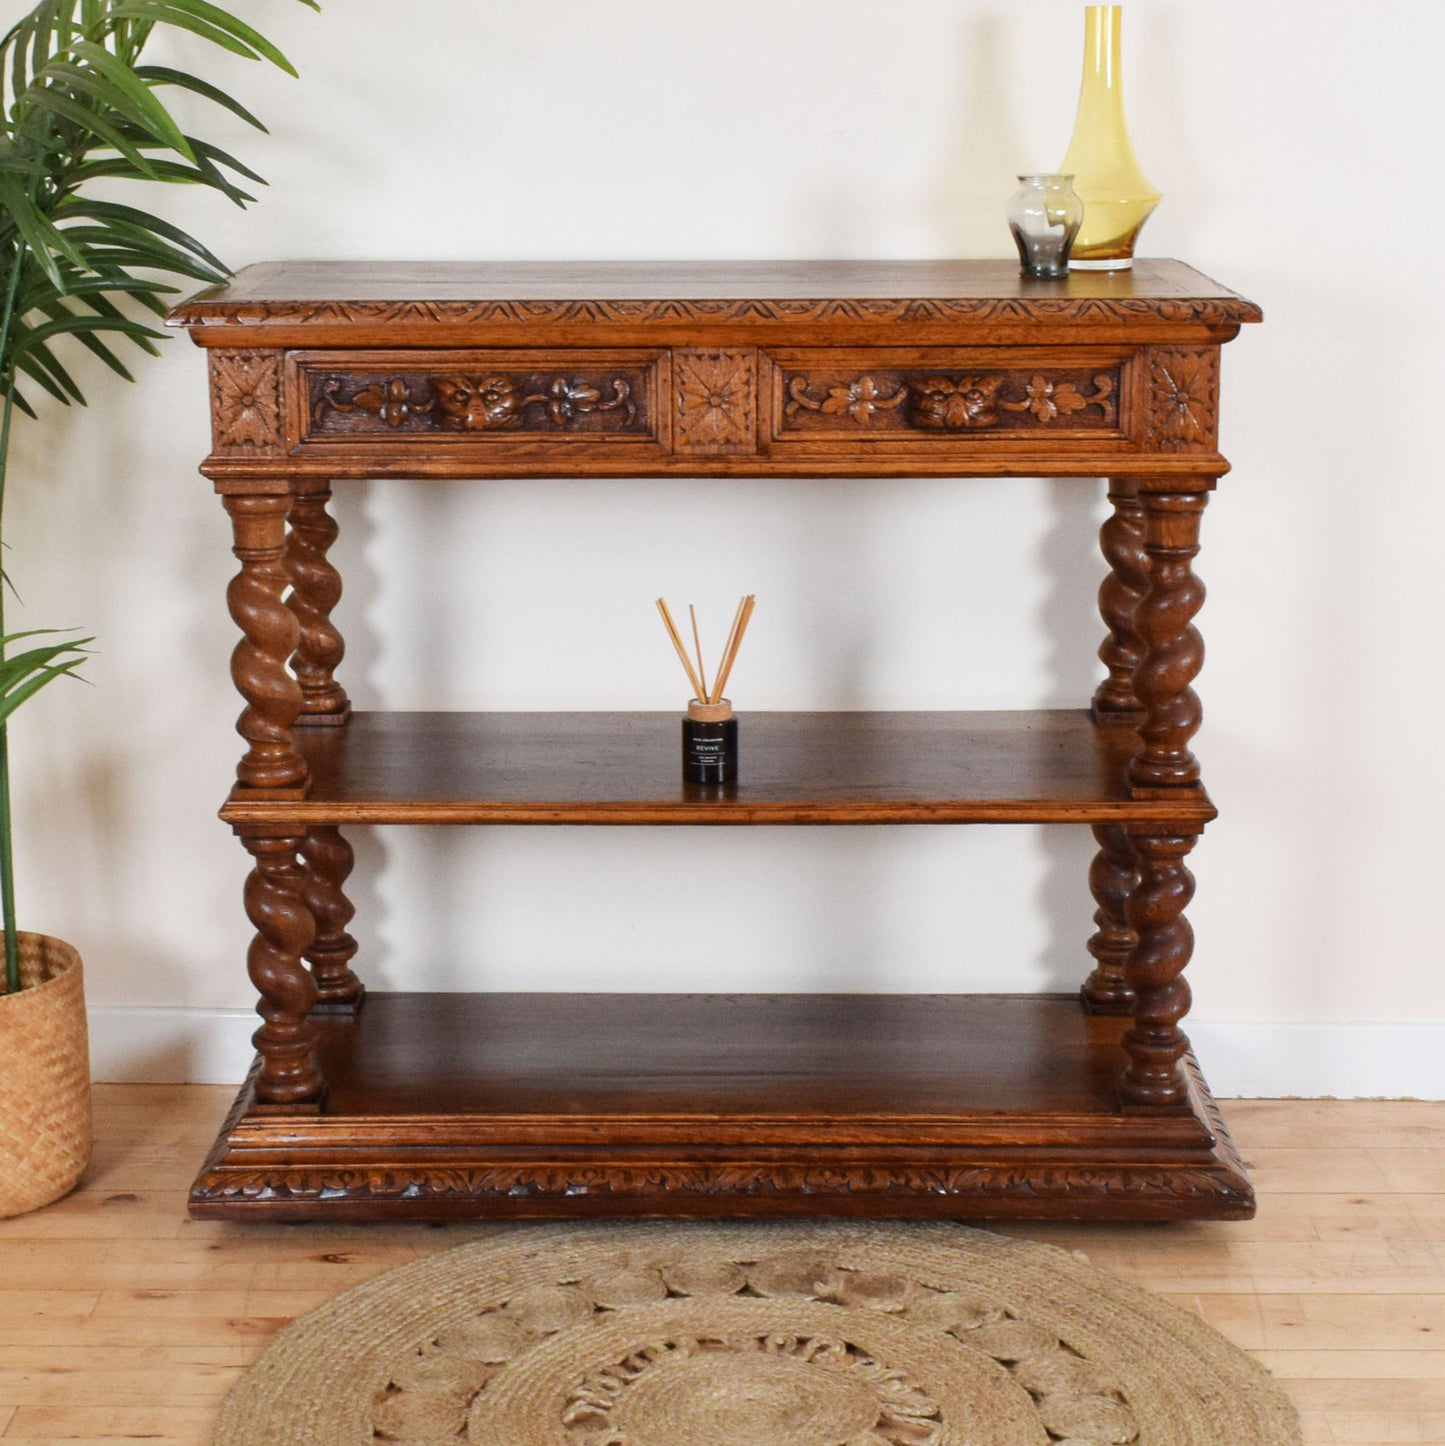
[669,291]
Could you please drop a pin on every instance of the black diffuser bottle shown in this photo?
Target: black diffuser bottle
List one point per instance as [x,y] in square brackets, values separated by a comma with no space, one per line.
[710,743]
[709,732]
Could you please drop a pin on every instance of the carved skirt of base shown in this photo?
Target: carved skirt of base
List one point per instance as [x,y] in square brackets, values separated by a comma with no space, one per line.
[267,1165]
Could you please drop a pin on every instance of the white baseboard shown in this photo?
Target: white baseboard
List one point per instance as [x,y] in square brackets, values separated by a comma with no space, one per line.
[1314,1061]
[152,1044]
[141,1044]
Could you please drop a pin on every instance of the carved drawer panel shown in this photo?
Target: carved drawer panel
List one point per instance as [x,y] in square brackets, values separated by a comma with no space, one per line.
[927,396]
[479,397]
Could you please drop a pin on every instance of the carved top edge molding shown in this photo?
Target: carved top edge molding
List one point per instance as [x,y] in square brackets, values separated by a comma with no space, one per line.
[1207,311]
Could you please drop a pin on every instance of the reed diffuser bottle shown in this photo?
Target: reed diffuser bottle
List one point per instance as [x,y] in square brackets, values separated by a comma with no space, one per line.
[1117,198]
[709,729]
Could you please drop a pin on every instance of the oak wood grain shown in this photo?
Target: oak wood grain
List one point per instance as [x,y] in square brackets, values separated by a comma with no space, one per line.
[313,287]
[537,1105]
[808,1062]
[1050,766]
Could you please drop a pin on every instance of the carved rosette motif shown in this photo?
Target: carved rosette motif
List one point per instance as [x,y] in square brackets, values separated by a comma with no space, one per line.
[246,403]
[467,402]
[953,402]
[716,401]
[1183,398]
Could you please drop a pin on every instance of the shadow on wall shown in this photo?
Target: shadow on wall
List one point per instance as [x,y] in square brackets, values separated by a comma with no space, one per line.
[981,161]
[358,673]
[1069,620]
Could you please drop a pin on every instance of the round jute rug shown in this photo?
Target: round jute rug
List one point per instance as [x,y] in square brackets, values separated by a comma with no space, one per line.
[827,1334]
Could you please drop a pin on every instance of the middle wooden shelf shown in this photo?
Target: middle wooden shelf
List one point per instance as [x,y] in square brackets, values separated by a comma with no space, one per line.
[1024,766]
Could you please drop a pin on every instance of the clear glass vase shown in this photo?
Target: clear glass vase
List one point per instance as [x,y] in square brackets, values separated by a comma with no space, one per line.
[1117,198]
[1044,216]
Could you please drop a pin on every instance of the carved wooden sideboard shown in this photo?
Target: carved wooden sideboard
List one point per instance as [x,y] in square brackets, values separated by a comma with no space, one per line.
[429,1105]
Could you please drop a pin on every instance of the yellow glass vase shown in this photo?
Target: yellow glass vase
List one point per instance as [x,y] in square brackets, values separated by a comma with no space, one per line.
[1117,198]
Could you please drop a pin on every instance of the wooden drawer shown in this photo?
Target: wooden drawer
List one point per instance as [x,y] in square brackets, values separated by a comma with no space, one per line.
[731,410]
[411,398]
[928,398]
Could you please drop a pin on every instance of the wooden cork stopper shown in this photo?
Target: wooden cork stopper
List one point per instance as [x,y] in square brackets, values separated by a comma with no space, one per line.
[718,712]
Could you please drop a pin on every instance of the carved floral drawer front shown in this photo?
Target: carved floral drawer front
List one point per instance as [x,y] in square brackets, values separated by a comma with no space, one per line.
[854,398]
[481,398]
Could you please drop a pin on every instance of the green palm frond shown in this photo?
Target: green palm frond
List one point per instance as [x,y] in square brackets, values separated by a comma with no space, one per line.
[158,75]
[24,674]
[77,106]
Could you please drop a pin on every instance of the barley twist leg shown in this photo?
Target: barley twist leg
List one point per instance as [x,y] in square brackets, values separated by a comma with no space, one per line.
[1111,880]
[329,861]
[1121,539]
[286,1039]
[315,592]
[269,637]
[1155,912]
[1173,649]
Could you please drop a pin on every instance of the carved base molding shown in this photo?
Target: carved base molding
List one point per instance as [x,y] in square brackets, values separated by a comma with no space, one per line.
[361,1157]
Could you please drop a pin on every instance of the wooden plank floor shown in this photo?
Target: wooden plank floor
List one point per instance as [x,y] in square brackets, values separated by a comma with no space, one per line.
[121,1320]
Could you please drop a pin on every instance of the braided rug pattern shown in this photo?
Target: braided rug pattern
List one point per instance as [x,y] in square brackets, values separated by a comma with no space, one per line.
[746,1334]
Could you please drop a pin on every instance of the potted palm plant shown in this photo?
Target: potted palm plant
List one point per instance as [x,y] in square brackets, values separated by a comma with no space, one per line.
[81,271]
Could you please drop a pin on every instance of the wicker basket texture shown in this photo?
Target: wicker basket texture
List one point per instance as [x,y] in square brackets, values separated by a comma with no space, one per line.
[45,1124]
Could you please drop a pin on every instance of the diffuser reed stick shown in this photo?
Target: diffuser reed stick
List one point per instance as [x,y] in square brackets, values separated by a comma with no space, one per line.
[697,677]
[676,637]
[732,634]
[697,643]
[730,652]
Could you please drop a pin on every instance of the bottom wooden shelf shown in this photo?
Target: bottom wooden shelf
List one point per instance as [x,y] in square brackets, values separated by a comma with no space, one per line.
[532,1105]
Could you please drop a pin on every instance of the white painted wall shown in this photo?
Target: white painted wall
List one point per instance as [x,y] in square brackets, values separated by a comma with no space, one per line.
[1297,157]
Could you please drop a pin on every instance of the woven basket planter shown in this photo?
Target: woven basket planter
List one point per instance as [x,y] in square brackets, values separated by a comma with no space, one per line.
[45,1129]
